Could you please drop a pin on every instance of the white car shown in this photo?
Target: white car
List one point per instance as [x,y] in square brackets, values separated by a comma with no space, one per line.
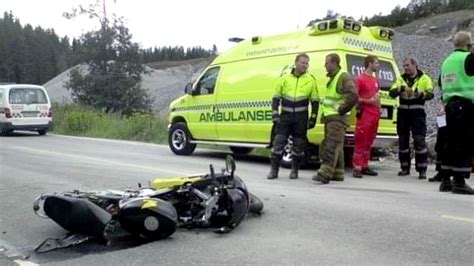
[24,107]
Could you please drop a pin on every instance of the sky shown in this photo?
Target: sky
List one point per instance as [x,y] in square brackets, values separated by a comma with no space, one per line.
[193,22]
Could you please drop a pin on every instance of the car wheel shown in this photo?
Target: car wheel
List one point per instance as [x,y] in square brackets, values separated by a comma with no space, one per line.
[179,139]
[42,132]
[5,132]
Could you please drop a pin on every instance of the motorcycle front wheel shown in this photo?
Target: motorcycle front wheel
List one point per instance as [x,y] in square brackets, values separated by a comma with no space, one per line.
[256,205]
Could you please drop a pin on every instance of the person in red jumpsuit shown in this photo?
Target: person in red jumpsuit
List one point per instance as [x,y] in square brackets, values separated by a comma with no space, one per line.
[368,115]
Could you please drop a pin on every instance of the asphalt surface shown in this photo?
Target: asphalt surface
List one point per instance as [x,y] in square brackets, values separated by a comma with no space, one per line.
[383,220]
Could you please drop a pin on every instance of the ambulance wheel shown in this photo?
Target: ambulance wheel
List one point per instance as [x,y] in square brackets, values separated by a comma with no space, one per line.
[179,139]
[42,132]
[287,157]
[240,150]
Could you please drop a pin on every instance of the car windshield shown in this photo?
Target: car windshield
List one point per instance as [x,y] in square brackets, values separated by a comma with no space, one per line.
[27,96]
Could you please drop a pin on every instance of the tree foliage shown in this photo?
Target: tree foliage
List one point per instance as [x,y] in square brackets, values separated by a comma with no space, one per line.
[416,9]
[35,55]
[31,55]
[176,53]
[112,81]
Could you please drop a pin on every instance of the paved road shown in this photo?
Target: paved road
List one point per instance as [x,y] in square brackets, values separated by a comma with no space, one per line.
[376,220]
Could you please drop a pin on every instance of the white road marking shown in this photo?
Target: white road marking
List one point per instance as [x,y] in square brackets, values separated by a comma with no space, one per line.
[103,161]
[114,141]
[457,218]
[25,263]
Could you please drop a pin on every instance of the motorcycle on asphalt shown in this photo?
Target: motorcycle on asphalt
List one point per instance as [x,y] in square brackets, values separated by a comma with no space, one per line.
[212,200]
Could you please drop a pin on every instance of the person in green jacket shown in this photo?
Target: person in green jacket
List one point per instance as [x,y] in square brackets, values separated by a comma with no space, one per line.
[294,92]
[457,84]
[339,99]
[413,88]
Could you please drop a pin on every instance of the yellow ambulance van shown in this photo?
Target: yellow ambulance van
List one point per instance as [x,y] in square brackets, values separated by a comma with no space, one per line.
[230,103]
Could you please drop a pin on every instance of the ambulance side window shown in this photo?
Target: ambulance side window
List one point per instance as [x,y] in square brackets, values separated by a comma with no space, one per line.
[207,82]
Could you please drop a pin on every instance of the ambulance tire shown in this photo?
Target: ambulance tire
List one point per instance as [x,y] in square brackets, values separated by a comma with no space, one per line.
[286,160]
[240,150]
[287,157]
[179,139]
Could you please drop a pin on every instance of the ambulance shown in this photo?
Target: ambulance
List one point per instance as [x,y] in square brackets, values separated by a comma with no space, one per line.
[230,103]
[24,107]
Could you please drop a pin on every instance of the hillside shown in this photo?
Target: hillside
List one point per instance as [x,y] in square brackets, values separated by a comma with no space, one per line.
[165,81]
[441,26]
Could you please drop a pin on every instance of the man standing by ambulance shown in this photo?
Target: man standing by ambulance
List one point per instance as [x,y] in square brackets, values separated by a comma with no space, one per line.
[414,88]
[340,98]
[368,115]
[457,84]
[293,94]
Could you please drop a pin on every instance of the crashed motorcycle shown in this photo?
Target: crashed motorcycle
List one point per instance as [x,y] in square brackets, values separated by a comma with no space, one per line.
[212,200]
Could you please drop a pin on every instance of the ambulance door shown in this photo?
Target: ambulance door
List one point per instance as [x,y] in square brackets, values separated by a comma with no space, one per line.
[201,106]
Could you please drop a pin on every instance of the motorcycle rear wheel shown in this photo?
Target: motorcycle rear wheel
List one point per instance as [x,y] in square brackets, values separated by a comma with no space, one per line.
[148,224]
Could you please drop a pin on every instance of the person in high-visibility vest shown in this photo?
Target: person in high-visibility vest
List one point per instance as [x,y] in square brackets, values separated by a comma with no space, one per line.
[414,88]
[339,99]
[368,115]
[441,145]
[294,93]
[457,84]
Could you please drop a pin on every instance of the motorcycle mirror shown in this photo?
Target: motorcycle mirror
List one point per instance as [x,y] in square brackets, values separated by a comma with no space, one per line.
[230,164]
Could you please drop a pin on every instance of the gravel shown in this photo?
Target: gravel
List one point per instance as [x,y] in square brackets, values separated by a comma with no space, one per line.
[430,53]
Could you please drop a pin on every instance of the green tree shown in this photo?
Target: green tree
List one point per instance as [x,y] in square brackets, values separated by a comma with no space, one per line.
[112,81]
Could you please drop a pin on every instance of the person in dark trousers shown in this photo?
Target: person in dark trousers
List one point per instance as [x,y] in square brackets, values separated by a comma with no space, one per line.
[294,93]
[368,115]
[457,84]
[440,146]
[414,87]
[340,97]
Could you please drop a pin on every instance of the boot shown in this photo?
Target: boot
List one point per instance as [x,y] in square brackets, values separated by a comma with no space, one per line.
[436,178]
[275,161]
[404,172]
[368,171]
[294,168]
[445,185]
[422,175]
[320,178]
[357,173]
[460,186]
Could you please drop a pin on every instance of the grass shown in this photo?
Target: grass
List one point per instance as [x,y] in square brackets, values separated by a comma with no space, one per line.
[76,120]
